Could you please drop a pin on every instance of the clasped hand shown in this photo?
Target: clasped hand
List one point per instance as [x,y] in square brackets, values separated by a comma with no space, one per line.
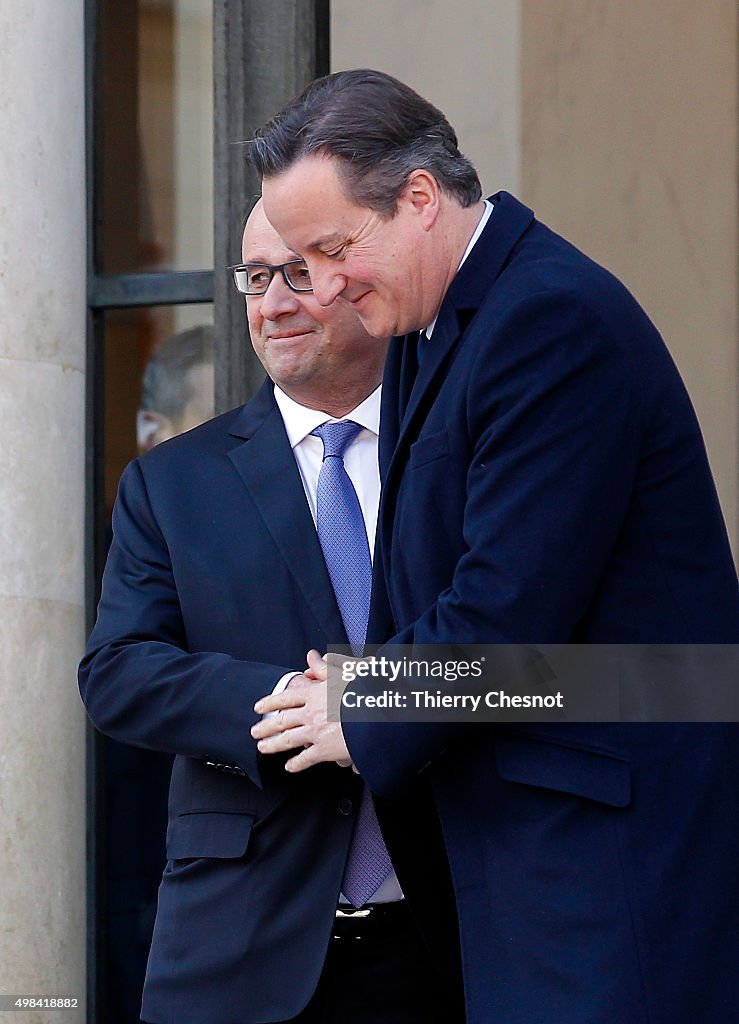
[301,722]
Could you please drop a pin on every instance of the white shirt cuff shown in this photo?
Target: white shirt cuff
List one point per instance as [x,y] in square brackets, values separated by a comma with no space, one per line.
[280,685]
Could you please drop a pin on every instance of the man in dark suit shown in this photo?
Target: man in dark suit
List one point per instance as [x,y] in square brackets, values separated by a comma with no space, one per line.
[544,481]
[214,589]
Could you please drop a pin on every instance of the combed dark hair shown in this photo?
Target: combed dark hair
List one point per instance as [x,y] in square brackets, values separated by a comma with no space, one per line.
[378,128]
[165,388]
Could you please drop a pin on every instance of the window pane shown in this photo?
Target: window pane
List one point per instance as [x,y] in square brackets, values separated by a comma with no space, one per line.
[156,113]
[158,380]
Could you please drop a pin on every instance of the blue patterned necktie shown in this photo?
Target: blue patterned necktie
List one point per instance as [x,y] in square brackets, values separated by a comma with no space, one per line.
[342,535]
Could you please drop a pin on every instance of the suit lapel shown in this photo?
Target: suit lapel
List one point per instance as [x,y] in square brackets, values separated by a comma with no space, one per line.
[267,467]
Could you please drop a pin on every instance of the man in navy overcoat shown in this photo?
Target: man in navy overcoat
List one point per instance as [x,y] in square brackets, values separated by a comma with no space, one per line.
[545,481]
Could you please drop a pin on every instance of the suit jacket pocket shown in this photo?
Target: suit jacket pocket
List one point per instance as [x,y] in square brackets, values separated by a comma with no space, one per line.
[428,449]
[208,834]
[593,775]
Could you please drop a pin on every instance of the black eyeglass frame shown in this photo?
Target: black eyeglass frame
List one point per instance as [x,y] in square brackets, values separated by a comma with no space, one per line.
[272,268]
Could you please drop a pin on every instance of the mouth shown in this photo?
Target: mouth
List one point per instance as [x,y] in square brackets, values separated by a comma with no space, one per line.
[289,335]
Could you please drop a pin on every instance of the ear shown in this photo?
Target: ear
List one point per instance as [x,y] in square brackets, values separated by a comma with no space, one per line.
[152,428]
[423,195]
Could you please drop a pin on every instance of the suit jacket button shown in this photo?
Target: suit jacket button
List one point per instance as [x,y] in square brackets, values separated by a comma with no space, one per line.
[345,805]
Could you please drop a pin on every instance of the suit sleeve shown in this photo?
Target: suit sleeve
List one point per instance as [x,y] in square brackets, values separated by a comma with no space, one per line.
[552,436]
[138,681]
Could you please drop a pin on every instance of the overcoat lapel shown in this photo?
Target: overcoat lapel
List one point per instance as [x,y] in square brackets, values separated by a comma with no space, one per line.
[267,467]
[406,400]
[509,221]
[401,369]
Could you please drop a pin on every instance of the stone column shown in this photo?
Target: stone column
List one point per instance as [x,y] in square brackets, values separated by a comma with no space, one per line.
[42,360]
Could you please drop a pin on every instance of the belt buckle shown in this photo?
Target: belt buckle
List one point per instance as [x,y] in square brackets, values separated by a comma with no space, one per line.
[361,912]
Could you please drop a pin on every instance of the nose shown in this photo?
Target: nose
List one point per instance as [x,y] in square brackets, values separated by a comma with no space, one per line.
[279,299]
[327,282]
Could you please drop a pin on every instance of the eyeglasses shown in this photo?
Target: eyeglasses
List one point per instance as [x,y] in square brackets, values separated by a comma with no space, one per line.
[255,278]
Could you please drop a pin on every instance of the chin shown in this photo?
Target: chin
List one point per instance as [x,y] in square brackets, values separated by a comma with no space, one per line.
[378,326]
[290,371]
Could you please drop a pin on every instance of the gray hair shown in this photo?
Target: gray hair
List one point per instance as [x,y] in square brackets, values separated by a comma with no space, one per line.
[165,387]
[378,128]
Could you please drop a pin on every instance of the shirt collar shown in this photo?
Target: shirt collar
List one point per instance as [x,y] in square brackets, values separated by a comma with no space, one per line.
[478,231]
[300,421]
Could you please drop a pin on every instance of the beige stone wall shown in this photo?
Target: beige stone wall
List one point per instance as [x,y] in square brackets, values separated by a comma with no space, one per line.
[629,148]
[463,57]
[42,360]
[617,121]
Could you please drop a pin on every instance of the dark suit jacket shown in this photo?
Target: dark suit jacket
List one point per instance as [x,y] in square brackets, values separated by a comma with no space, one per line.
[545,481]
[215,586]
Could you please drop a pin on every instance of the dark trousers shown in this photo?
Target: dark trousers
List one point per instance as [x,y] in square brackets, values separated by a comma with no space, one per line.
[379,971]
